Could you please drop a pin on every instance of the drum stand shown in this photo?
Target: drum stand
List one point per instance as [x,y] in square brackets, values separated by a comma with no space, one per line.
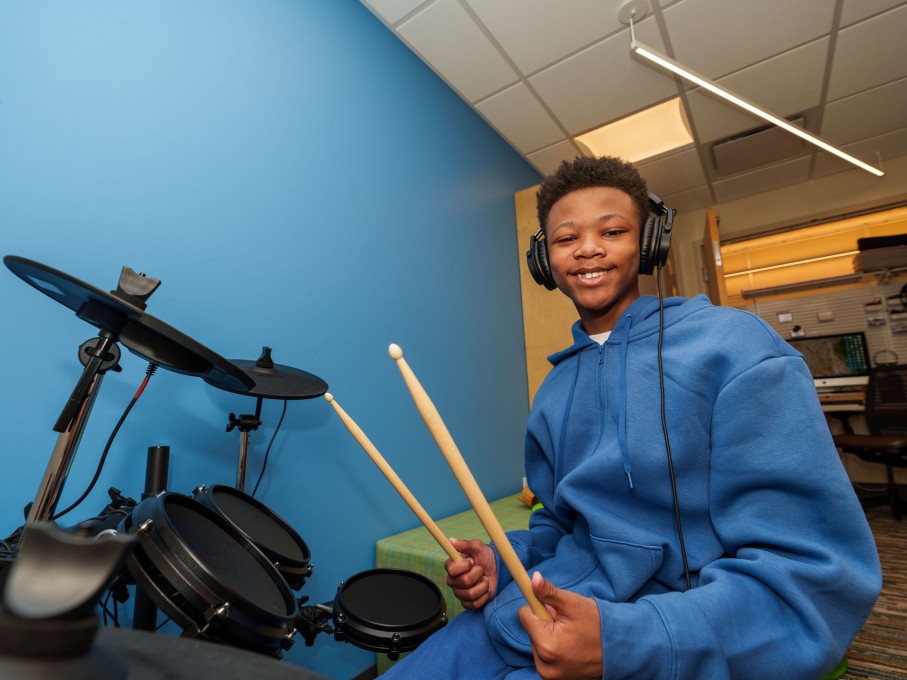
[271,381]
[103,356]
[157,473]
[246,424]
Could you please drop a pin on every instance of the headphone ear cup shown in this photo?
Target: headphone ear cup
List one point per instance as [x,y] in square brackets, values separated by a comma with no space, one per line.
[646,265]
[537,261]
[655,236]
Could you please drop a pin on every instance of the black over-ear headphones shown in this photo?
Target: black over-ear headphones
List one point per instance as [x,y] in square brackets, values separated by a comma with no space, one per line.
[654,241]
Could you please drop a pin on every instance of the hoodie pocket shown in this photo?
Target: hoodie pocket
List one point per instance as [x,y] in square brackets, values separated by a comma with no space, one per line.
[626,567]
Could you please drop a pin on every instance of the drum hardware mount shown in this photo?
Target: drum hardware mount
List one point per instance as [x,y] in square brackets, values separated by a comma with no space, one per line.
[246,423]
[119,506]
[215,615]
[110,356]
[313,620]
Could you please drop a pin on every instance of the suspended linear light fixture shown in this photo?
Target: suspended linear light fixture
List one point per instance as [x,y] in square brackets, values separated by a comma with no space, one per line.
[638,8]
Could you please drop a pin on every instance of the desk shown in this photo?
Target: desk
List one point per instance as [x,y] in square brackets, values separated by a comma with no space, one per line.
[843,402]
[417,551]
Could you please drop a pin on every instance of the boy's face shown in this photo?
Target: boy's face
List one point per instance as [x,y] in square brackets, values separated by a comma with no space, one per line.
[593,251]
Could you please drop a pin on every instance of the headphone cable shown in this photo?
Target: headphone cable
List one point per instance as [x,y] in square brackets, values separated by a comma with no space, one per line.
[664,427]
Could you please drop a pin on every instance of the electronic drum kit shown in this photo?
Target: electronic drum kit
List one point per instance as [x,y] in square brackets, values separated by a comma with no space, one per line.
[219,563]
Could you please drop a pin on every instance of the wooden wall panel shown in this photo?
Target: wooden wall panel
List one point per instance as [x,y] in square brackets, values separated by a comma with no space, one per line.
[547,314]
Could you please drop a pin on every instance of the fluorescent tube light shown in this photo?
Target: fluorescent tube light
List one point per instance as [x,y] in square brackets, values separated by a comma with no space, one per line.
[736,100]
[791,264]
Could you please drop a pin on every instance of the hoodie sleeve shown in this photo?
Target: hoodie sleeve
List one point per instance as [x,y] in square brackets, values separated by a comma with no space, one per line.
[800,572]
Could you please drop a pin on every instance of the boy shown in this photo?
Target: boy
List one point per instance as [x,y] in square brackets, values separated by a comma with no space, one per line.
[719,538]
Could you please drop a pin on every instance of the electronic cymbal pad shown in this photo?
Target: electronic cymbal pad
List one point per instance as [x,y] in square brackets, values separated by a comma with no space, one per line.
[122,312]
[275,381]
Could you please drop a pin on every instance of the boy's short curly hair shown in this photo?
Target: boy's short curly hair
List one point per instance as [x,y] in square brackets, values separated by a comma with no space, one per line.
[583,172]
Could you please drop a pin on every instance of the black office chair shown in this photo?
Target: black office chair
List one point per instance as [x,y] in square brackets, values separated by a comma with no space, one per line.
[886,418]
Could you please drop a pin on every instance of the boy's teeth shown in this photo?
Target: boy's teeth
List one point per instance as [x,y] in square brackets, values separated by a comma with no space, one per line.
[591,275]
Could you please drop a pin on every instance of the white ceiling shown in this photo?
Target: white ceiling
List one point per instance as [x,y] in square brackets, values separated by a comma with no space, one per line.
[543,71]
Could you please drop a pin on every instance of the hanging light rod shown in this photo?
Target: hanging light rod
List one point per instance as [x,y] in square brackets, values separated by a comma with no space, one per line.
[665,62]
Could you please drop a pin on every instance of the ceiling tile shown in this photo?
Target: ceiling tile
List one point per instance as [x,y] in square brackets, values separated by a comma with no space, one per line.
[714,37]
[889,145]
[546,160]
[447,38]
[519,116]
[673,173]
[536,33]
[392,10]
[853,11]
[539,69]
[867,114]
[603,83]
[787,84]
[869,54]
[690,200]
[764,179]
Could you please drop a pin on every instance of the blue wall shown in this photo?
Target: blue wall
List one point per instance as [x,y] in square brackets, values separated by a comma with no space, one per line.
[296,178]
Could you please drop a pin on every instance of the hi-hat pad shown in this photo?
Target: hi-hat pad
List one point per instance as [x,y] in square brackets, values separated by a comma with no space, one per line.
[275,381]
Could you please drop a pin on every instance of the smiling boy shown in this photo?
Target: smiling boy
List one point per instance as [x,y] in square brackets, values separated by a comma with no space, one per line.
[732,547]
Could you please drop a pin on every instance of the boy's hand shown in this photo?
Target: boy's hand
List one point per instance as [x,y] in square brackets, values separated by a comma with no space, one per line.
[570,646]
[473,580]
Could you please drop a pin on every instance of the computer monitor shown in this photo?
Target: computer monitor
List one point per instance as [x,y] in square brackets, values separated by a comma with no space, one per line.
[835,360]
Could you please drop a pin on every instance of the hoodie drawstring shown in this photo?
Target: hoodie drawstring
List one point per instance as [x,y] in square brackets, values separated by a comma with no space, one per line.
[622,414]
[562,444]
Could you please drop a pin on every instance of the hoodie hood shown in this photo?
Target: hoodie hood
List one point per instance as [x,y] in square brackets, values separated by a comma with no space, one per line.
[638,322]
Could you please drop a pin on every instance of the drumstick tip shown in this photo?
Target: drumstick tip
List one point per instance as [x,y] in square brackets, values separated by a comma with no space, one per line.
[329,396]
[395,351]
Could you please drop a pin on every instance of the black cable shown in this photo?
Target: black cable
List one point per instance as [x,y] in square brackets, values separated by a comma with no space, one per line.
[268,451]
[148,373]
[664,427]
[105,609]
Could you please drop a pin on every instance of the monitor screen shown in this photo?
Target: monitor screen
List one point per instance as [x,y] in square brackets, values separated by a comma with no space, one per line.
[835,360]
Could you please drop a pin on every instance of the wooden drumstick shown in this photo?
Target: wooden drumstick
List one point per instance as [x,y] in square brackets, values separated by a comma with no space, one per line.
[461,471]
[394,479]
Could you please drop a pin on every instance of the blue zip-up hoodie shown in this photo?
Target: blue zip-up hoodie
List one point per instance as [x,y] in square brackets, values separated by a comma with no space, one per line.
[782,561]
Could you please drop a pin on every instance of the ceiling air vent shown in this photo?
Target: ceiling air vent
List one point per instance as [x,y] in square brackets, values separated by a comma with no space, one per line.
[755,148]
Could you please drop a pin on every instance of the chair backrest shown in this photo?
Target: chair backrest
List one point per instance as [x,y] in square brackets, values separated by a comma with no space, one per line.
[886,400]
